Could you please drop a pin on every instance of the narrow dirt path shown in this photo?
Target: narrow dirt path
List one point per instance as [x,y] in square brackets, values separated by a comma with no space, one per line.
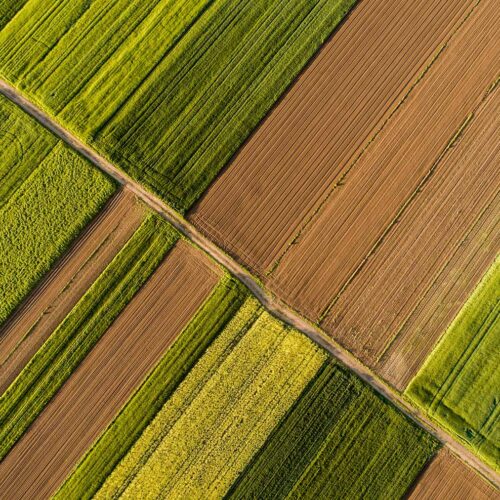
[270,302]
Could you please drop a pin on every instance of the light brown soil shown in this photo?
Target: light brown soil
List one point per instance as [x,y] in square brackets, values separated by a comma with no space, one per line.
[32,324]
[447,478]
[288,167]
[397,306]
[104,381]
[391,171]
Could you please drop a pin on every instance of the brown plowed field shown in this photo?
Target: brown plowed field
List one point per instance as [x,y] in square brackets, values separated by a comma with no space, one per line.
[21,337]
[447,478]
[290,164]
[104,381]
[393,169]
[393,312]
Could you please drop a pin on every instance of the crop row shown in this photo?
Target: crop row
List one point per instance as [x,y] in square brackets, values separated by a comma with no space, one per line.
[458,384]
[168,92]
[54,362]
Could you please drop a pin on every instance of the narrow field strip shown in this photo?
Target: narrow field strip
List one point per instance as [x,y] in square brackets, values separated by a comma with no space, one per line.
[448,477]
[9,9]
[172,116]
[123,432]
[222,412]
[458,386]
[340,440]
[43,217]
[56,360]
[59,291]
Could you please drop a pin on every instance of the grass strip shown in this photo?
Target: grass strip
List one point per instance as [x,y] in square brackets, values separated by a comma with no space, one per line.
[68,345]
[339,440]
[123,432]
[458,385]
[221,413]
[43,217]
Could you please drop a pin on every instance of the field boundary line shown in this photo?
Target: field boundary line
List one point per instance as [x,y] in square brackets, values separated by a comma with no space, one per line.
[270,302]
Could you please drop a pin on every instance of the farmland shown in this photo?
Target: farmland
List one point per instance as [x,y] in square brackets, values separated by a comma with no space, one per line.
[68,345]
[60,290]
[314,452]
[43,217]
[257,383]
[453,224]
[108,375]
[170,125]
[448,477]
[309,141]
[458,384]
[249,249]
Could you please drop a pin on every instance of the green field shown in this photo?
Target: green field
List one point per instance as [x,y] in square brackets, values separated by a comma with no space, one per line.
[167,90]
[68,345]
[256,411]
[9,9]
[48,194]
[24,144]
[458,386]
[124,431]
[340,440]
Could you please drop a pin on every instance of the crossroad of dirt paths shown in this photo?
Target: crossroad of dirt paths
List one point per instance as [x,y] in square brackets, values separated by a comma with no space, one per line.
[287,168]
[37,318]
[106,378]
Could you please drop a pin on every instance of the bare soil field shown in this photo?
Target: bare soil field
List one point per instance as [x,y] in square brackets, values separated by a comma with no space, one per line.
[100,386]
[288,167]
[412,286]
[393,169]
[21,336]
[447,478]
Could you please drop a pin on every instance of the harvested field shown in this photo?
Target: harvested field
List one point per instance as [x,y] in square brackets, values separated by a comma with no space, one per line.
[287,168]
[166,90]
[340,440]
[392,170]
[458,386]
[414,284]
[449,478]
[60,290]
[82,328]
[106,378]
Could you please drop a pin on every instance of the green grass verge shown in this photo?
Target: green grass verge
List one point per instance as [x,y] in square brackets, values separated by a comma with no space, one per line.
[123,432]
[222,412]
[43,217]
[167,90]
[339,440]
[68,345]
[24,144]
[458,386]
